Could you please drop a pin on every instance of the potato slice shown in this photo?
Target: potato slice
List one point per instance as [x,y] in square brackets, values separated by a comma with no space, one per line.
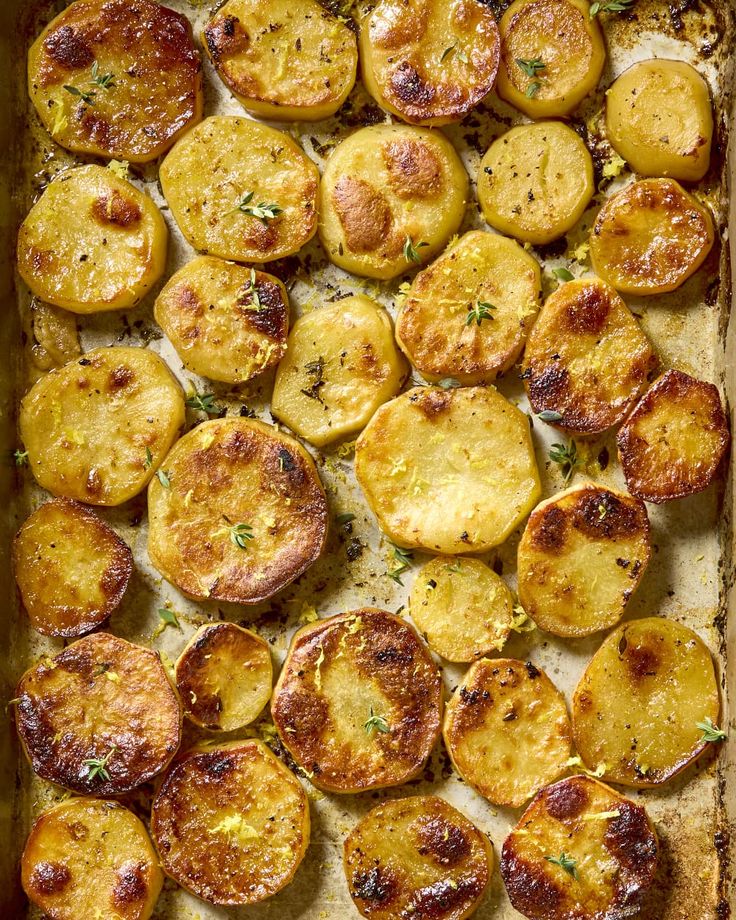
[449,471]
[659,119]
[580,850]
[467,314]
[358,703]
[552,56]
[55,334]
[226,322]
[238,512]
[587,358]
[241,190]
[341,365]
[429,63]
[419,857]
[107,258]
[650,237]
[639,708]
[674,441]
[507,730]
[231,823]
[284,60]
[116,78]
[100,717]
[224,677]
[390,199]
[97,429]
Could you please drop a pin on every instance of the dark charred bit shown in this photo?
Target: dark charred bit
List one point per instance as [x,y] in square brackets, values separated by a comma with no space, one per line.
[599,513]
[531,670]
[68,49]
[49,878]
[215,763]
[548,385]
[475,696]
[354,549]
[116,209]
[120,377]
[286,460]
[531,891]
[376,885]
[272,317]
[441,898]
[641,661]
[603,458]
[445,842]
[224,37]
[549,530]
[410,87]
[630,839]
[566,799]
[130,885]
[588,312]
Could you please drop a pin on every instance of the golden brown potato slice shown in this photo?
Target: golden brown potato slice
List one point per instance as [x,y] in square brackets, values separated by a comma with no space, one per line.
[358,703]
[580,851]
[431,62]
[659,119]
[418,857]
[673,442]
[97,428]
[587,359]
[85,856]
[467,314]
[391,197]
[650,237]
[284,60]
[231,823]
[641,705]
[55,334]
[100,717]
[237,512]
[107,257]
[449,471]
[224,677]
[340,366]
[241,190]
[507,730]
[552,56]
[116,78]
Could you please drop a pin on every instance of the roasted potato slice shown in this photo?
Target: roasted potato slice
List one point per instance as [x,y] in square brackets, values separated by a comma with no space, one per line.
[650,237]
[429,62]
[449,471]
[224,677]
[358,703]
[507,730]
[467,314]
[237,513]
[100,717]
[419,857]
[580,851]
[673,442]
[97,429]
[284,60]
[241,190]
[107,257]
[85,856]
[640,708]
[390,199]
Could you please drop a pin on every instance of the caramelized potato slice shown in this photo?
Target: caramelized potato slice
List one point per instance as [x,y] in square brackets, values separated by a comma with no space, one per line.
[673,442]
[417,856]
[467,314]
[231,823]
[640,705]
[358,703]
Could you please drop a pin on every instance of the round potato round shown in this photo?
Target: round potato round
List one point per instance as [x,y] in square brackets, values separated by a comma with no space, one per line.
[659,119]
[429,63]
[359,700]
[650,237]
[417,856]
[580,851]
[237,512]
[97,428]
[674,441]
[87,855]
[449,471]
[535,181]
[100,717]
[340,366]
[552,56]
[283,60]
[642,706]
[507,730]
[107,257]
[224,677]
[241,190]
[116,78]
[390,199]
[467,315]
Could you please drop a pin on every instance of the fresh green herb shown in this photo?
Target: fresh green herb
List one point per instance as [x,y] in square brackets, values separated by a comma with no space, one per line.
[252,301]
[563,274]
[531,67]
[448,383]
[148,462]
[315,369]
[240,534]
[345,518]
[21,457]
[480,310]
[262,211]
[103,80]
[376,723]
[711,732]
[168,617]
[564,862]
[411,252]
[87,97]
[164,477]
[203,403]
[401,562]
[98,766]
[610,6]
[458,52]
[549,415]
[533,89]
[566,456]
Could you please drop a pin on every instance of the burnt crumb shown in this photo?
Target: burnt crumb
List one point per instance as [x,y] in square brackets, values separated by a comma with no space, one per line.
[531,670]
[366,115]
[286,461]
[246,412]
[624,563]
[354,549]
[85,362]
[472,697]
[374,885]
[553,250]
[603,458]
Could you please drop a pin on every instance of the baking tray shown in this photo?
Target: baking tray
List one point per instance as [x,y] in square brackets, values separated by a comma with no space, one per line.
[689,579]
